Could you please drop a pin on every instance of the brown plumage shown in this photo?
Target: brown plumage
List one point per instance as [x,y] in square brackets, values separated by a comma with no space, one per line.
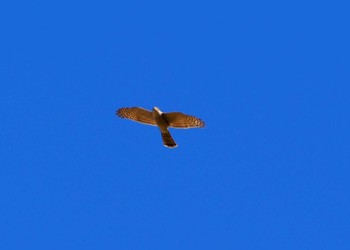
[162,120]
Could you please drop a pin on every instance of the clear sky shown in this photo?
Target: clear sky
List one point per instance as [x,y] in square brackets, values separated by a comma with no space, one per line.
[269,171]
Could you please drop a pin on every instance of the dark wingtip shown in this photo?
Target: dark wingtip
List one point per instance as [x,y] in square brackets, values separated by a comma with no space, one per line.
[202,124]
[118,112]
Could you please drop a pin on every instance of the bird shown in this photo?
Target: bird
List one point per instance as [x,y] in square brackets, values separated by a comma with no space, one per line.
[162,120]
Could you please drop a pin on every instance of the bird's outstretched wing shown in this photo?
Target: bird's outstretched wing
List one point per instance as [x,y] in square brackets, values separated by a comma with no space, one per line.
[180,120]
[137,114]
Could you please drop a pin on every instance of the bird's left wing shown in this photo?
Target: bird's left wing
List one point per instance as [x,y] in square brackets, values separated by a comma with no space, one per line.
[137,114]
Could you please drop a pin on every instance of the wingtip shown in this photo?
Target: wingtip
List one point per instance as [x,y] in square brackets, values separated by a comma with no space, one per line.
[119,112]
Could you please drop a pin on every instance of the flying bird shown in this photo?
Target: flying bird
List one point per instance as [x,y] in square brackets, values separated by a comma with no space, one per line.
[162,120]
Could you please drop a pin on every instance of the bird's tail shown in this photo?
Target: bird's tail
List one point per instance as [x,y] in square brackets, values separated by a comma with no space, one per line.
[168,140]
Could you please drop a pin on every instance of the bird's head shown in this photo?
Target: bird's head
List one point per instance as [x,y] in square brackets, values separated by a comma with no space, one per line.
[157,110]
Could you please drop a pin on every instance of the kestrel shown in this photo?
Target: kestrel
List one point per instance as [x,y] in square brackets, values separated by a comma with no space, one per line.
[161,120]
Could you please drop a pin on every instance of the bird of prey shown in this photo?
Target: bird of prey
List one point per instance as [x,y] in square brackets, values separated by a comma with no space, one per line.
[161,120]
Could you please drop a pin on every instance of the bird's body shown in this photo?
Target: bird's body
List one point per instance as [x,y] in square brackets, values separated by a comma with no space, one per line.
[163,125]
[162,120]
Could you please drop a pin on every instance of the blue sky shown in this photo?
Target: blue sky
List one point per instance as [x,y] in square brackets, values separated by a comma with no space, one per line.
[270,170]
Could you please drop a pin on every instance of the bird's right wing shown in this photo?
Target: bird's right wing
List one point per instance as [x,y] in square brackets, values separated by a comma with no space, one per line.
[137,114]
[180,120]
